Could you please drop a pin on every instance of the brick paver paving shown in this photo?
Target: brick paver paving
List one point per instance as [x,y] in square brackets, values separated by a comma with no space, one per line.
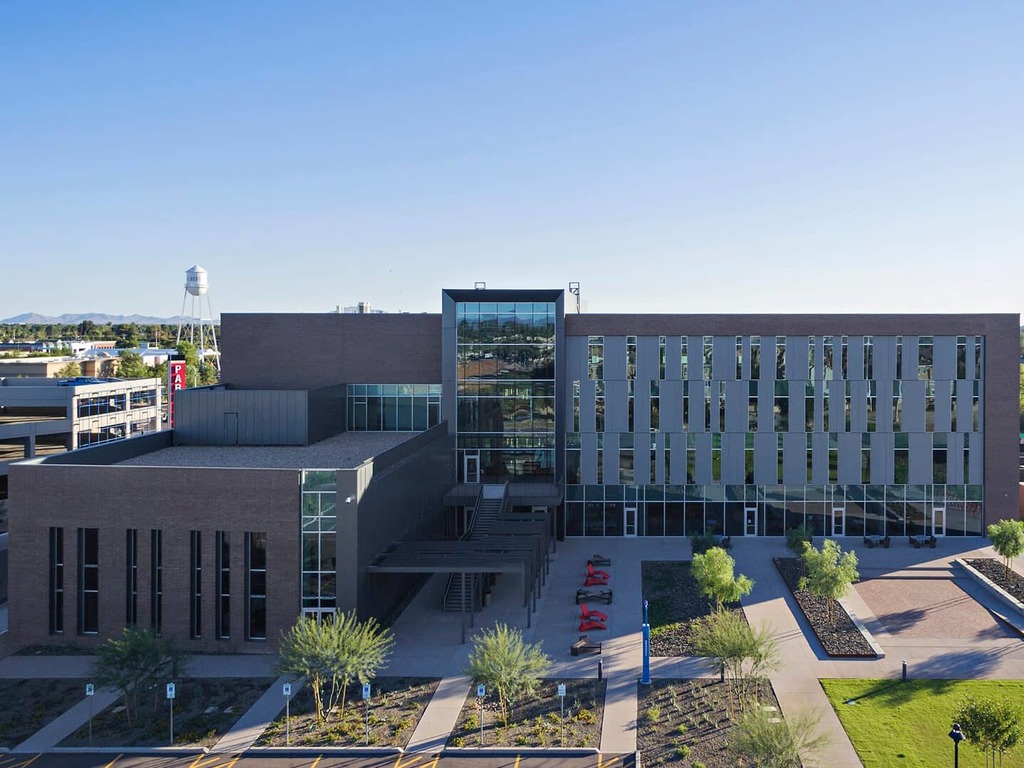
[928,603]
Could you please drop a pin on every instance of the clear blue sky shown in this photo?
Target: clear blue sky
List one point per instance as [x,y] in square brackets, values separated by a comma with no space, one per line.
[670,156]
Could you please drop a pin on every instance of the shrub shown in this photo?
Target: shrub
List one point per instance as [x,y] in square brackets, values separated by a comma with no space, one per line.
[702,542]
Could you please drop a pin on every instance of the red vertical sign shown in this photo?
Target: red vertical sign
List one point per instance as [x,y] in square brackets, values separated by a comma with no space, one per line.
[175,380]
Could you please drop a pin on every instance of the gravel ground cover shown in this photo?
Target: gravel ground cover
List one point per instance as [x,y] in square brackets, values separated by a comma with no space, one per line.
[396,705]
[675,605]
[839,637]
[28,705]
[536,722]
[205,708]
[994,570]
[688,722]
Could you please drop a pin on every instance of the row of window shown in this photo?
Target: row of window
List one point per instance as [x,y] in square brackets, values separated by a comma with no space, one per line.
[88,582]
[393,407]
[825,357]
[904,458]
[784,406]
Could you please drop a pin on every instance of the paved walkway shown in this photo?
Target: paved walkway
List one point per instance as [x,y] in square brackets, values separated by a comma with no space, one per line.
[429,643]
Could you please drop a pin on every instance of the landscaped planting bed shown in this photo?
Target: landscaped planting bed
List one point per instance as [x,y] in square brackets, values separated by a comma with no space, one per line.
[205,708]
[688,722]
[839,636]
[994,570]
[396,705]
[28,705]
[675,605]
[537,721]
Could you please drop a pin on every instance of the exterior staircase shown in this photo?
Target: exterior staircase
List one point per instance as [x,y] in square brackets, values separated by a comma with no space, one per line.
[489,505]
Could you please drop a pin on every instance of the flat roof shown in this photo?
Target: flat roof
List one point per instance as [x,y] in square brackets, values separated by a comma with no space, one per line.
[344,451]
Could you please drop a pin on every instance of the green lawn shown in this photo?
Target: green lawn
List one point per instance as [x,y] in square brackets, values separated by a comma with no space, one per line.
[907,724]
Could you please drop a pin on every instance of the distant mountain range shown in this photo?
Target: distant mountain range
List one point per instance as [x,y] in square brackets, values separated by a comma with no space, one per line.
[31,318]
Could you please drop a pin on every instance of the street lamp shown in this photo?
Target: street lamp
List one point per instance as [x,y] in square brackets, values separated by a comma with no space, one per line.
[957,736]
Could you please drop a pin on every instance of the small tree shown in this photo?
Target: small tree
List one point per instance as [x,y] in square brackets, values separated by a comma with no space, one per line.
[991,726]
[702,542]
[797,540]
[767,744]
[501,660]
[135,664]
[332,653]
[727,638]
[830,572]
[70,370]
[1007,539]
[713,572]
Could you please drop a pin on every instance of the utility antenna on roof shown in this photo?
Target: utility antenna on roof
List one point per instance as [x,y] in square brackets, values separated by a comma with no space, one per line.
[480,285]
[574,289]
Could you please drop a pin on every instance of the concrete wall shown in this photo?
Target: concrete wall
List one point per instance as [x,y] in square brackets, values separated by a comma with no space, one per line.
[324,350]
[398,497]
[174,500]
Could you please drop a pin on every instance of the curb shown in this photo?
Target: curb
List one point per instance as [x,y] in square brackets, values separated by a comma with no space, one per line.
[879,653]
[999,592]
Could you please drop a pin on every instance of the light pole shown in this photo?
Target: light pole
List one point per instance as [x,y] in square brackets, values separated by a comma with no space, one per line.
[957,736]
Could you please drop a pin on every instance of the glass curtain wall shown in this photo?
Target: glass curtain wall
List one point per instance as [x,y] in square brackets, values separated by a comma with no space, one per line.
[505,390]
[319,551]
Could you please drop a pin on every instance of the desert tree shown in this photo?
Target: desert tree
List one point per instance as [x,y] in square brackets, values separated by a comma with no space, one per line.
[714,573]
[331,654]
[990,725]
[1007,538]
[135,664]
[744,653]
[830,573]
[512,668]
[765,741]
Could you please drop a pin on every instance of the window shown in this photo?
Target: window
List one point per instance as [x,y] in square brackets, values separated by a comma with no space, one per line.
[88,581]
[56,611]
[655,406]
[683,365]
[393,407]
[631,357]
[595,364]
[256,585]
[661,357]
[223,612]
[156,579]
[709,351]
[131,577]
[319,551]
[780,358]
[195,618]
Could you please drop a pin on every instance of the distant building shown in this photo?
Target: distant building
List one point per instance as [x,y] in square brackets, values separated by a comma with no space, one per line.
[41,416]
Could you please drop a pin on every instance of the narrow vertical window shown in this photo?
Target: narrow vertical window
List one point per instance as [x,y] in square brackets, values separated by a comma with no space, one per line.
[844,344]
[195,618]
[869,358]
[721,406]
[752,407]
[655,406]
[781,406]
[575,406]
[223,612]
[626,459]
[631,393]
[256,585]
[810,459]
[707,406]
[131,577]
[716,458]
[833,459]
[739,358]
[56,607]
[952,407]
[865,460]
[828,362]
[661,357]
[924,358]
[654,458]
[668,448]
[683,361]
[901,459]
[899,357]
[810,357]
[599,406]
[88,581]
[961,357]
[595,362]
[755,357]
[691,459]
[156,579]
[897,406]
[600,458]
[631,357]
[872,409]
[709,351]
[780,358]
[686,406]
[977,357]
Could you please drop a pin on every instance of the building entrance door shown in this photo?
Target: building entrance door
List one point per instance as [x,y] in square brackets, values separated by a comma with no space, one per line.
[838,521]
[938,521]
[471,467]
[629,521]
[320,614]
[750,521]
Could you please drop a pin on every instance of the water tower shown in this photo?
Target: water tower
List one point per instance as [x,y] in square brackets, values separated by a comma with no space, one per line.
[197,327]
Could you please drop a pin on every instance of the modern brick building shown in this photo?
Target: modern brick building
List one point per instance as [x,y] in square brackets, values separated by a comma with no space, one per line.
[284,489]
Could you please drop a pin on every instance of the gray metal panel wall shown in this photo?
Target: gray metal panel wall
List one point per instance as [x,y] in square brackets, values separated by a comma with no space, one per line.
[671,406]
[263,417]
[913,405]
[796,358]
[576,363]
[611,458]
[723,358]
[616,400]
[733,459]
[920,468]
[766,458]
[849,457]
[944,357]
[648,357]
[615,357]
[736,393]
[588,458]
[794,458]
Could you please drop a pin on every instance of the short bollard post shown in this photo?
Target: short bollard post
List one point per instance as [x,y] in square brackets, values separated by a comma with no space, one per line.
[481,691]
[600,669]
[904,670]
[366,699]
